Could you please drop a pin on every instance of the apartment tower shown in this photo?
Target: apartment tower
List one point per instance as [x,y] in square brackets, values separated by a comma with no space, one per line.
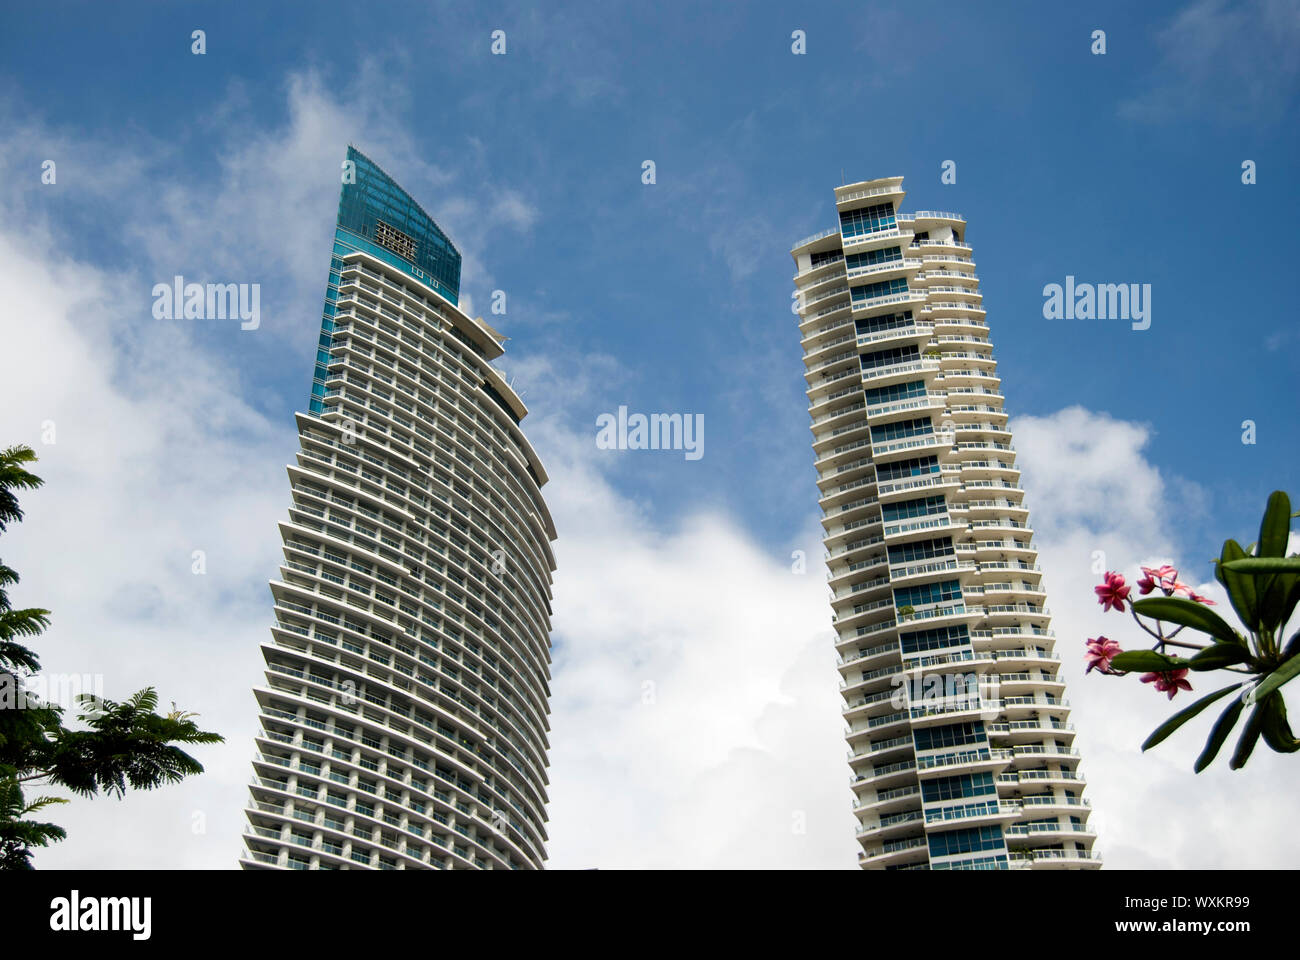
[960,746]
[404,713]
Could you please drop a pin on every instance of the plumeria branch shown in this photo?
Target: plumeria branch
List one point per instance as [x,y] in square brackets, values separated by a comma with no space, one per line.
[1113,594]
[1262,583]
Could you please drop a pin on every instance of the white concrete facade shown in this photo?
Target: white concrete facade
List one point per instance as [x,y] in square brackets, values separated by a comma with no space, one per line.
[960,746]
[404,714]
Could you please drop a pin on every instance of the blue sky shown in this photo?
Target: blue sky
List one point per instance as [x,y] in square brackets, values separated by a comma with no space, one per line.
[674,297]
[1116,168]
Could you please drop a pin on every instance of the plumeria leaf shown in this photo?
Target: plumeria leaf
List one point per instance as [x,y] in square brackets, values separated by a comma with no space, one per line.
[1148,660]
[1219,655]
[1241,589]
[1222,727]
[1182,716]
[1260,565]
[1289,604]
[1249,737]
[1276,525]
[1278,677]
[1275,729]
[1188,614]
[1274,587]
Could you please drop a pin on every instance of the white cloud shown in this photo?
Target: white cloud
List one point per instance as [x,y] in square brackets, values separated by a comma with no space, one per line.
[1234,62]
[696,714]
[1091,488]
[154,456]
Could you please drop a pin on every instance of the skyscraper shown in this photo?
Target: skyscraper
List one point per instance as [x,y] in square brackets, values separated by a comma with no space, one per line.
[404,715]
[960,746]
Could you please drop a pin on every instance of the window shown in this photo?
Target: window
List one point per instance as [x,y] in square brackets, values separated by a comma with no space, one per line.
[830,256]
[882,289]
[965,841]
[895,391]
[936,638]
[856,223]
[873,257]
[953,735]
[915,467]
[887,358]
[958,787]
[890,321]
[902,428]
[920,507]
[921,550]
[927,593]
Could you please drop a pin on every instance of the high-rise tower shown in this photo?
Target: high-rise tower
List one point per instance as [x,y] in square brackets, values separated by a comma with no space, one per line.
[404,715]
[960,746]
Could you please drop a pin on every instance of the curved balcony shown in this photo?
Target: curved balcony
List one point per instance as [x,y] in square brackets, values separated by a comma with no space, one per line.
[892,826]
[894,853]
[884,802]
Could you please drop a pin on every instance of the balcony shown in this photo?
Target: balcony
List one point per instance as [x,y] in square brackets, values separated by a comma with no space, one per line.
[992,811]
[896,851]
[885,800]
[886,774]
[895,300]
[968,761]
[888,266]
[919,332]
[821,235]
[892,825]
[1062,859]
[895,186]
[883,376]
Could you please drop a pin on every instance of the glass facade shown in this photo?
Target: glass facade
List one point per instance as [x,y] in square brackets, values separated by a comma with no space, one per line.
[378,217]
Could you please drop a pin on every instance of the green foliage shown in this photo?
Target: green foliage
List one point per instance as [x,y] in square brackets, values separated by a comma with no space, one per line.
[1263,586]
[1148,661]
[1182,716]
[116,747]
[19,835]
[1188,614]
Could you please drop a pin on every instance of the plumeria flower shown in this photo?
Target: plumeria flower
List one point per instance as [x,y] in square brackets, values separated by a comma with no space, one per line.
[1180,587]
[1112,594]
[1168,681]
[1164,577]
[1099,654]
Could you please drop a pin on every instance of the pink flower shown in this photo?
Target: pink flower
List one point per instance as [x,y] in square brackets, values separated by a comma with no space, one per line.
[1099,654]
[1112,594]
[1168,681]
[1179,586]
[1164,577]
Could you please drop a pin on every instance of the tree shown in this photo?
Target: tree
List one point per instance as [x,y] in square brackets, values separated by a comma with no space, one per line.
[1263,586]
[118,746]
